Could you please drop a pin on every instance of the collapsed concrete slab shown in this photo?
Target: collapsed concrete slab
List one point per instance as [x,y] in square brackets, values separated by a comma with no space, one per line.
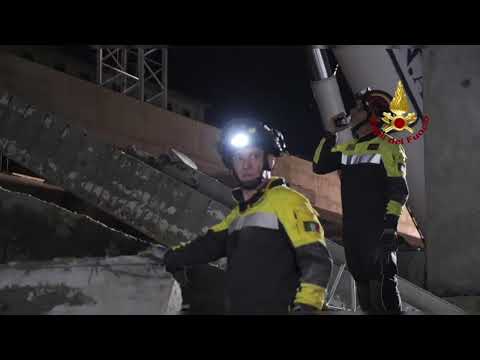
[33,229]
[126,285]
[154,203]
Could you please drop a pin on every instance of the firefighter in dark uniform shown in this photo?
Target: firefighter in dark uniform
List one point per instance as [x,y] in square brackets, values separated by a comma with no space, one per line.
[277,261]
[374,190]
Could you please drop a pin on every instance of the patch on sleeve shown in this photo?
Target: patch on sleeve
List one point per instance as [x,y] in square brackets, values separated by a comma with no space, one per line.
[373,147]
[311,226]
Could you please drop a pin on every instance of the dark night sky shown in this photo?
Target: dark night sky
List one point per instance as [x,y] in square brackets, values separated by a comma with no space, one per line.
[268,83]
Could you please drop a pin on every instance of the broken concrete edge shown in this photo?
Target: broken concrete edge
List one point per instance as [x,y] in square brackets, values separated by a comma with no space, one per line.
[74,214]
[130,260]
[221,263]
[77,287]
[174,165]
[175,300]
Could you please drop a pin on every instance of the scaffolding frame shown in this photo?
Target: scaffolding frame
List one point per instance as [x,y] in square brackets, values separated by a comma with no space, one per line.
[143,68]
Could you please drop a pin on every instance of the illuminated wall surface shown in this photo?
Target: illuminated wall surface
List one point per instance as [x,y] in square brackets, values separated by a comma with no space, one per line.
[452,89]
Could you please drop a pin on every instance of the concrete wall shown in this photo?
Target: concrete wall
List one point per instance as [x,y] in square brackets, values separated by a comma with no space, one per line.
[52,57]
[452,145]
[123,120]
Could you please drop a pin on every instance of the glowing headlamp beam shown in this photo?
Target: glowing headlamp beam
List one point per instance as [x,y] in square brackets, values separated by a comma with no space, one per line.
[240,140]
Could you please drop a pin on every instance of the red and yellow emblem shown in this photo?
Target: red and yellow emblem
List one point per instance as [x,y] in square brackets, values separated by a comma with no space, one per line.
[401,118]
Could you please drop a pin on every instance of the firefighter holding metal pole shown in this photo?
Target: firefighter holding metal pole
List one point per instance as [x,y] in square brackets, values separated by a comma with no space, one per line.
[374,190]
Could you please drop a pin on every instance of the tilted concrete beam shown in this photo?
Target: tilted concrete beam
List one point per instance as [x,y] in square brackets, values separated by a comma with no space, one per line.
[147,199]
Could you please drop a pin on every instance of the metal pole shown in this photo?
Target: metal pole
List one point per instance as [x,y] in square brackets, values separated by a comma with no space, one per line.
[154,75]
[130,88]
[353,293]
[124,64]
[120,71]
[155,96]
[99,66]
[336,282]
[320,58]
[322,70]
[141,74]
[165,77]
[113,78]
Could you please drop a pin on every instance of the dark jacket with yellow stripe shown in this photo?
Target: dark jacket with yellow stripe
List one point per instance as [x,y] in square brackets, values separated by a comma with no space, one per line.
[275,248]
[373,181]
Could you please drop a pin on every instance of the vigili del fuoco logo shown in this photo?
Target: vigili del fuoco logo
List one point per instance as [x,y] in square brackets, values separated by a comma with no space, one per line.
[400,119]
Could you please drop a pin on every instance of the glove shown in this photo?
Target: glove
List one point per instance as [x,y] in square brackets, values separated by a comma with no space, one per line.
[341,120]
[170,265]
[389,240]
[303,309]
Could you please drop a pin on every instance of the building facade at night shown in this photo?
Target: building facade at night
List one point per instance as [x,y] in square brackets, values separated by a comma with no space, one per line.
[56,58]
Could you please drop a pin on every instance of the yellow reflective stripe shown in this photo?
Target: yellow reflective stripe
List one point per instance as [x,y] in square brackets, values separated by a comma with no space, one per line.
[394,208]
[310,294]
[316,156]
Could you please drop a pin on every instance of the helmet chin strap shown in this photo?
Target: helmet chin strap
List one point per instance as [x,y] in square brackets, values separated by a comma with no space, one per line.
[251,184]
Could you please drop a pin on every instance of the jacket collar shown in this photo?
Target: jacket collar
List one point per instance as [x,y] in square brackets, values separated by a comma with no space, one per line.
[243,205]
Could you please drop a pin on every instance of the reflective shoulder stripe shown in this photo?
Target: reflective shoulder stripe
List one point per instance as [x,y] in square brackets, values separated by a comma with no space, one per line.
[259,219]
[361,159]
[318,151]
[376,159]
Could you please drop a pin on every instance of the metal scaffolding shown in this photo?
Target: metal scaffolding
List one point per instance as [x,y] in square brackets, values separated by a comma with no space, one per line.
[137,70]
